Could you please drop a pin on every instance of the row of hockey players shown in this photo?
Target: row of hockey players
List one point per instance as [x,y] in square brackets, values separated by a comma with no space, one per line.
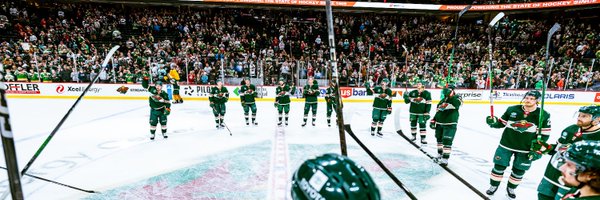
[219,96]
[524,138]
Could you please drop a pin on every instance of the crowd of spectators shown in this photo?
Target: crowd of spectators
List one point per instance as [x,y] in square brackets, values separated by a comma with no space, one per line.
[67,42]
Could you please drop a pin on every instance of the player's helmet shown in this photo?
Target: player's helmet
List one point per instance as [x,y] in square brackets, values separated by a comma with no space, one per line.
[158,83]
[593,110]
[533,93]
[332,176]
[584,154]
[447,90]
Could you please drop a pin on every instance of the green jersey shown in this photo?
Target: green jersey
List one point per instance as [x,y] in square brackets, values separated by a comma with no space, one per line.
[218,95]
[521,128]
[248,94]
[420,102]
[159,98]
[368,85]
[21,76]
[330,95]
[381,101]
[34,77]
[283,94]
[568,136]
[46,77]
[129,78]
[311,93]
[447,110]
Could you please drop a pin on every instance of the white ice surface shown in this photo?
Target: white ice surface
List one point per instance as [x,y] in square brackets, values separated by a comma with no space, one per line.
[104,144]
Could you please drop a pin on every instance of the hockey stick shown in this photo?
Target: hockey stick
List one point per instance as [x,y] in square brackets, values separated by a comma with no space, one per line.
[39,151]
[433,158]
[56,182]
[8,145]
[553,30]
[460,14]
[406,65]
[335,73]
[490,49]
[385,169]
[215,110]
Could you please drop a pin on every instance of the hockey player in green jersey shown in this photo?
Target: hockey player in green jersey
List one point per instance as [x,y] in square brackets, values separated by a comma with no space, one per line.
[580,168]
[247,96]
[218,97]
[445,121]
[332,101]
[282,100]
[160,107]
[382,106]
[521,123]
[420,105]
[587,128]
[310,93]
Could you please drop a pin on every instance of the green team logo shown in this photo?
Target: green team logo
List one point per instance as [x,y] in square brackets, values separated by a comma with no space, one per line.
[521,126]
[122,89]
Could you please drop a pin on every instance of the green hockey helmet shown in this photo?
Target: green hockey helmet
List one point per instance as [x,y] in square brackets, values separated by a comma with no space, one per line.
[533,93]
[158,83]
[593,110]
[584,154]
[447,90]
[332,176]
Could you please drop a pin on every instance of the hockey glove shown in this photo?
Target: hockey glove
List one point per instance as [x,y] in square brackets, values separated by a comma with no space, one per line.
[167,111]
[491,120]
[432,124]
[541,147]
[534,155]
[389,109]
[426,116]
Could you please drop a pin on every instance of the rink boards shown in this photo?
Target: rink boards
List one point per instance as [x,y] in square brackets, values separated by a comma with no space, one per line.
[267,93]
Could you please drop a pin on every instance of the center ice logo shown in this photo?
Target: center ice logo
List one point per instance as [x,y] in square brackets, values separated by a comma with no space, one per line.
[60,89]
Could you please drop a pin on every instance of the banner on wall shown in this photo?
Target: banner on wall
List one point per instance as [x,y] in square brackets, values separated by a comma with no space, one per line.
[410,6]
[132,91]
[22,88]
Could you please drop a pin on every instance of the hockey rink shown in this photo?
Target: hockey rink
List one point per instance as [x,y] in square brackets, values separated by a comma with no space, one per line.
[104,146]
